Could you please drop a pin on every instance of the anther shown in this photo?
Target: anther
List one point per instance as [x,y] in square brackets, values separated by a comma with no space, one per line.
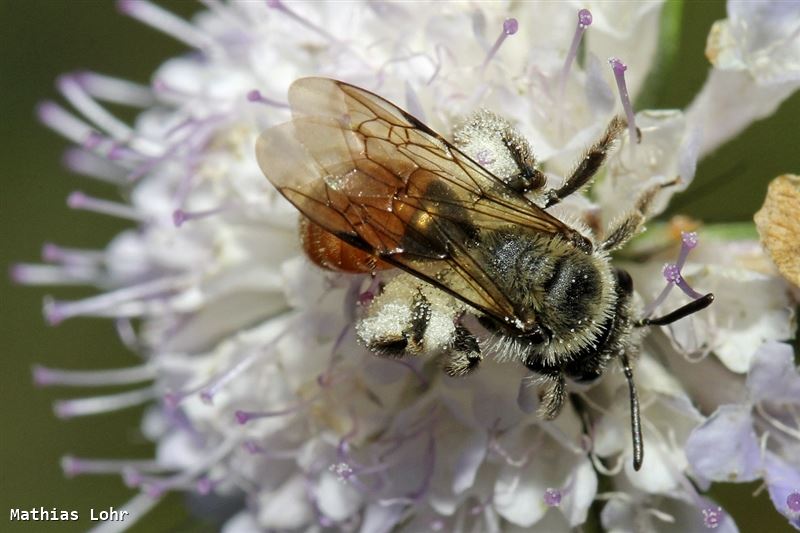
[712,517]
[510,27]
[552,497]
[793,501]
[619,69]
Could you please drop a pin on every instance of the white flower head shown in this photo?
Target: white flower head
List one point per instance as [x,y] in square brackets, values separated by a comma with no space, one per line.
[258,387]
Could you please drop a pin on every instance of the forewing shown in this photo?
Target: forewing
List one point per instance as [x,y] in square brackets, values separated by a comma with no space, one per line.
[381,180]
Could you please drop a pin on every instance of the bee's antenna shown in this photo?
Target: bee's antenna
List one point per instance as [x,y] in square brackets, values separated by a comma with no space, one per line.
[681,312]
[636,422]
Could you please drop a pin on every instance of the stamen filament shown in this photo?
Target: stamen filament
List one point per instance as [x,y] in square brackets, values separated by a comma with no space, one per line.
[584,21]
[79,200]
[32,274]
[103,404]
[256,96]
[116,90]
[673,276]
[77,96]
[89,164]
[164,21]
[63,122]
[76,256]
[103,304]
[510,27]
[619,69]
[189,477]
[179,216]
[76,466]
[45,376]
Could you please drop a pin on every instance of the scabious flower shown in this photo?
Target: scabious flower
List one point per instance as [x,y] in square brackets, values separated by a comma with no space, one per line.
[256,386]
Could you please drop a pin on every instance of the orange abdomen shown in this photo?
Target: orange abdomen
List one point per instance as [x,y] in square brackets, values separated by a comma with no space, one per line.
[329,251]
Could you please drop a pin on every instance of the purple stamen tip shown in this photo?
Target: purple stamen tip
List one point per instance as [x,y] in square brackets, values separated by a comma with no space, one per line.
[70,466]
[42,376]
[76,200]
[62,409]
[207,397]
[712,517]
[672,273]
[552,497]
[131,477]
[204,485]
[274,3]
[52,312]
[585,17]
[254,95]
[45,109]
[243,417]
[618,66]
[154,490]
[93,139]
[171,400]
[689,239]
[50,252]
[510,26]
[793,501]
[125,6]
[178,217]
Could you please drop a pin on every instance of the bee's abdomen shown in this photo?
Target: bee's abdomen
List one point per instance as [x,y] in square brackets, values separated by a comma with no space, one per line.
[329,251]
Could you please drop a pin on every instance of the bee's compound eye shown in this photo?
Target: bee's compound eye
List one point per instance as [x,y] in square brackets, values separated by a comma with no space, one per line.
[624,281]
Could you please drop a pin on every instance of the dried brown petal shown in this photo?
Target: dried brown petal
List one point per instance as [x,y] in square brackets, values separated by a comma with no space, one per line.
[778,224]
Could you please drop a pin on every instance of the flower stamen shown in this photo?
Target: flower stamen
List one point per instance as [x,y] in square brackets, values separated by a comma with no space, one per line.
[45,376]
[164,21]
[82,201]
[510,27]
[66,409]
[619,69]
[712,517]
[75,94]
[584,21]
[257,97]
[91,165]
[552,497]
[673,276]
[77,466]
[115,90]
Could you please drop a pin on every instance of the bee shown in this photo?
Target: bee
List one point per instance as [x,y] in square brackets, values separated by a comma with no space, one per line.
[468,224]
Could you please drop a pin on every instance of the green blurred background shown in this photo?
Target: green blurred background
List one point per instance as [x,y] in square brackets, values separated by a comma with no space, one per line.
[41,39]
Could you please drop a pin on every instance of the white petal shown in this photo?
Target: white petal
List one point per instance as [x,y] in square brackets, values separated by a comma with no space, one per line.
[286,508]
[729,102]
[773,375]
[336,499]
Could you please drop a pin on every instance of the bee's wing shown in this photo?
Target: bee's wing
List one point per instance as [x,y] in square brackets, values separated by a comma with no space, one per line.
[379,179]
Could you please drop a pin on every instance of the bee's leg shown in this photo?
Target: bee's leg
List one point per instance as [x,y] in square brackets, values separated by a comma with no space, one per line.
[555,392]
[397,340]
[554,388]
[588,166]
[626,228]
[465,354]
[529,177]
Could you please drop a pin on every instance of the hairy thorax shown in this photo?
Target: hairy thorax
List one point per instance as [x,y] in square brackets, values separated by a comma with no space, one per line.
[568,292]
